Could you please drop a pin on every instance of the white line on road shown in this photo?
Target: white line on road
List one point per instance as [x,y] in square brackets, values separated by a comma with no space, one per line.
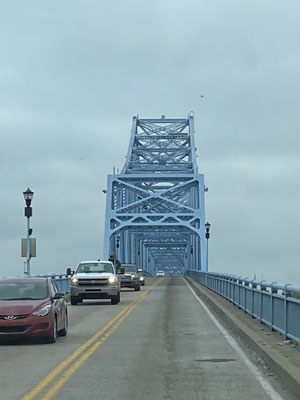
[255,371]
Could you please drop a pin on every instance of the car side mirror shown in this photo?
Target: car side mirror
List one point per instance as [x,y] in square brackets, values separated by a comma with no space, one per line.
[58,295]
[122,271]
[70,272]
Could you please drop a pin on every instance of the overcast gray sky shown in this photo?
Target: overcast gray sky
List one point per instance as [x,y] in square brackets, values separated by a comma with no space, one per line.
[74,72]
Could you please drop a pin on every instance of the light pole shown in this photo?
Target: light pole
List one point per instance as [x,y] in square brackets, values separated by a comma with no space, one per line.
[118,245]
[28,196]
[138,259]
[207,235]
[191,257]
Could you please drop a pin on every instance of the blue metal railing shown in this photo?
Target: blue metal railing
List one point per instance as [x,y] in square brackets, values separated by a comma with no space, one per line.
[62,281]
[270,302]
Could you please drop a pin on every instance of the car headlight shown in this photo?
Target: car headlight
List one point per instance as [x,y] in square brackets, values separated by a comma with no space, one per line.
[74,281]
[113,280]
[43,311]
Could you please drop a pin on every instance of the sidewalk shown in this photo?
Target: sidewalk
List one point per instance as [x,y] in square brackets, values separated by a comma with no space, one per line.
[280,355]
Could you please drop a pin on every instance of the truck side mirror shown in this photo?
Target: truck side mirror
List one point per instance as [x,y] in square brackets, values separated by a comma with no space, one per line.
[122,271]
[69,271]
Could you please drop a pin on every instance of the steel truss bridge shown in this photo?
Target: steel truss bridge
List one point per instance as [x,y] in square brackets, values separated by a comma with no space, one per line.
[155,211]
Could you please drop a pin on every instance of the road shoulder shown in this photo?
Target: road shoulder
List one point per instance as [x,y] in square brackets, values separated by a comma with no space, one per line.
[281,356]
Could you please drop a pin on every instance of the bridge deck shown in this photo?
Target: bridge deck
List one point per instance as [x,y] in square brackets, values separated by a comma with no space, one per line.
[159,343]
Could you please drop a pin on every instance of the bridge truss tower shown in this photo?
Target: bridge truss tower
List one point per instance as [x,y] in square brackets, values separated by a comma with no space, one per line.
[155,211]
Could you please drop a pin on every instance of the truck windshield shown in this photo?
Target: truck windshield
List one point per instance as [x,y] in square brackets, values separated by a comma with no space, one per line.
[130,269]
[95,267]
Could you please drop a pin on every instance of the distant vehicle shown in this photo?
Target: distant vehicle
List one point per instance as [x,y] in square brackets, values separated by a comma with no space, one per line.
[141,275]
[145,273]
[129,277]
[32,307]
[95,280]
[160,273]
[175,273]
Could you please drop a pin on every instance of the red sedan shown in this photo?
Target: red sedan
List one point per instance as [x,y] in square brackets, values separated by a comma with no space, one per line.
[32,307]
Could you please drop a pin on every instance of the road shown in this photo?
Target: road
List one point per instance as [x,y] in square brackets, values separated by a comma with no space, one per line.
[159,343]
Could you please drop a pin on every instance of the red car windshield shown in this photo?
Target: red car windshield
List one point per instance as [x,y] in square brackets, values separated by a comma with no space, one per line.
[23,290]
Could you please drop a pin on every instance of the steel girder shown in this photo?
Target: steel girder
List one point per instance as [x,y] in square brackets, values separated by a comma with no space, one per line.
[155,211]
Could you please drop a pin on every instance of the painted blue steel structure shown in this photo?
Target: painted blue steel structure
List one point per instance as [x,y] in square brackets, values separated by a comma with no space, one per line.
[155,212]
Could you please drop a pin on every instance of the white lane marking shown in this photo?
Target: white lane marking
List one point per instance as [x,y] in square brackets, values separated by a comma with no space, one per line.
[255,371]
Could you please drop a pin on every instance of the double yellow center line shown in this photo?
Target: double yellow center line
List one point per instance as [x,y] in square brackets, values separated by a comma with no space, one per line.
[71,364]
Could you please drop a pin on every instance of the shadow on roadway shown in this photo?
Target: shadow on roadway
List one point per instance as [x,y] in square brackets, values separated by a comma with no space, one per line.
[23,341]
[92,303]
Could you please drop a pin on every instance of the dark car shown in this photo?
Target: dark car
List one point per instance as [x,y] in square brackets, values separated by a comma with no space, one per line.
[141,275]
[32,307]
[129,277]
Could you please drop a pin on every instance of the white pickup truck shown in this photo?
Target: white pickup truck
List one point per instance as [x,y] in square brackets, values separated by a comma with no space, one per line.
[95,280]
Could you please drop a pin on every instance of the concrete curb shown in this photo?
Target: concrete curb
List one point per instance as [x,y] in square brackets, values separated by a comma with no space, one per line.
[250,332]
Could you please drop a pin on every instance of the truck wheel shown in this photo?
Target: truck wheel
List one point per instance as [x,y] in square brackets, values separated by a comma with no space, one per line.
[119,297]
[137,288]
[114,300]
[74,300]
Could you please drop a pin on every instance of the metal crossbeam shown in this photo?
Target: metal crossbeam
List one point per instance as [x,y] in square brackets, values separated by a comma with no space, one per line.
[155,211]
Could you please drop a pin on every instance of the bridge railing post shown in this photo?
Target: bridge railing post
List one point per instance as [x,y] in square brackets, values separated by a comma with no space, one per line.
[222,285]
[233,286]
[287,294]
[247,290]
[262,288]
[273,291]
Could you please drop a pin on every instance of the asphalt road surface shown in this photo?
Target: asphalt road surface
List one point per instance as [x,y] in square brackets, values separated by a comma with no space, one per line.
[159,343]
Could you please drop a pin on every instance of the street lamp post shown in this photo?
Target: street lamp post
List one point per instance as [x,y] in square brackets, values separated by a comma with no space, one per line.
[191,258]
[138,258]
[118,245]
[207,236]
[28,196]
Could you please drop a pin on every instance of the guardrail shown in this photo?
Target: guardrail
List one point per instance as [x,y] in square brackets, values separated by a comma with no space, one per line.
[270,302]
[62,281]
